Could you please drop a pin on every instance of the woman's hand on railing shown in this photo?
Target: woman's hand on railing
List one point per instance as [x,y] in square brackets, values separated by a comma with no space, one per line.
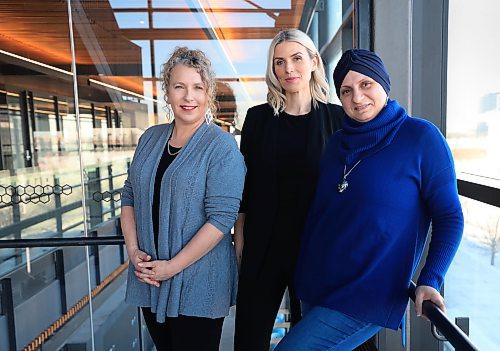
[423,293]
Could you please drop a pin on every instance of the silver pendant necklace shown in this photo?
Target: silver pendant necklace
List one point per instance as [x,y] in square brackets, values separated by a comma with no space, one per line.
[170,152]
[344,184]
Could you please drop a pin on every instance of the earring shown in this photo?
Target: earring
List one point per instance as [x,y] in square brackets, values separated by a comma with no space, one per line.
[170,113]
[208,116]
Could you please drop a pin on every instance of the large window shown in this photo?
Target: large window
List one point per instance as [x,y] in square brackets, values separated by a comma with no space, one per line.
[473,105]
[473,132]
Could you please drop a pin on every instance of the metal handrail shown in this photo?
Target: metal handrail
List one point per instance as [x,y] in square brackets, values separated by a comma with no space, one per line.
[57,242]
[448,329]
[453,334]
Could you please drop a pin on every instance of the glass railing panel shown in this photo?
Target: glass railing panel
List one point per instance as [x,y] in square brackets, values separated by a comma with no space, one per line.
[472,284]
[40,177]
[117,103]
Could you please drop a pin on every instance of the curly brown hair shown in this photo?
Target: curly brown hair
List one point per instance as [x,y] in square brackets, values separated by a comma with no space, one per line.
[196,59]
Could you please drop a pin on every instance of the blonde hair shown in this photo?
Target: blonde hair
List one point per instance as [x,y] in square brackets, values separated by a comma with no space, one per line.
[318,85]
[197,60]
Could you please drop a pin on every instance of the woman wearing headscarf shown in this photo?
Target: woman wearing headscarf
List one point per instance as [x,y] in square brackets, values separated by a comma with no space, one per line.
[384,178]
[282,142]
[179,203]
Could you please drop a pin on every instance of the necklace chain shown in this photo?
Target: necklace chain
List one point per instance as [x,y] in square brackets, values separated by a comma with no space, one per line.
[344,184]
[170,152]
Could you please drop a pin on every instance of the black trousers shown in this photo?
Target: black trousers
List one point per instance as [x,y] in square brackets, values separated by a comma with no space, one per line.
[184,333]
[258,302]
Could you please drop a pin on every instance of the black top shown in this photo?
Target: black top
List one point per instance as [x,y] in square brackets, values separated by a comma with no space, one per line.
[165,161]
[266,141]
[291,161]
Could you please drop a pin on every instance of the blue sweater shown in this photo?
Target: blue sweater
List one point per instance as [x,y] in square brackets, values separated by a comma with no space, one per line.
[361,247]
[202,185]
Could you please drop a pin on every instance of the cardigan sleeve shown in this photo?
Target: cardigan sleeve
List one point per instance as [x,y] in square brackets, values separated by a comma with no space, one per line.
[225,179]
[127,198]
[247,137]
[439,191]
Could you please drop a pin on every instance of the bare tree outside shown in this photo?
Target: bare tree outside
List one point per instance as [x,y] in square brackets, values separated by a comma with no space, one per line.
[491,236]
[482,225]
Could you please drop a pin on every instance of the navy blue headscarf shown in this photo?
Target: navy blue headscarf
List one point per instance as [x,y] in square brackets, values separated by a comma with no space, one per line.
[362,61]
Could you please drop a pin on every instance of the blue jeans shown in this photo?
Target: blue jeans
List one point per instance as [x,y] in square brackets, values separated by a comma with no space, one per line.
[325,329]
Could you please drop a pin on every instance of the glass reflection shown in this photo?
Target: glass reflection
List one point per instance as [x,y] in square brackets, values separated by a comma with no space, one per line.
[234,4]
[132,19]
[120,4]
[215,20]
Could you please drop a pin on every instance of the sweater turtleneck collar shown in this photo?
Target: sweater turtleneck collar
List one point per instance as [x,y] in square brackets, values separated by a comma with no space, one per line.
[359,140]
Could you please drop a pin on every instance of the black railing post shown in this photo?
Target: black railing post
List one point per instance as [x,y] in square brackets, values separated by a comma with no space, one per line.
[95,253]
[8,311]
[95,197]
[16,212]
[27,130]
[109,127]
[16,218]
[57,200]
[111,190]
[59,263]
[58,124]
[119,232]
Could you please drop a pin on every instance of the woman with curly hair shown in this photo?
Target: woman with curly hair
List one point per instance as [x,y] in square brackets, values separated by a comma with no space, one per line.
[179,203]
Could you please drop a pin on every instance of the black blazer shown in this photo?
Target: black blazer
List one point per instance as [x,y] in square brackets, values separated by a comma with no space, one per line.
[258,146]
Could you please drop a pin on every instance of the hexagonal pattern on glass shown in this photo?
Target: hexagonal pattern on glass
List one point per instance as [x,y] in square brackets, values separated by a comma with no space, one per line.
[57,189]
[117,195]
[67,189]
[29,189]
[11,190]
[26,198]
[107,196]
[20,190]
[6,199]
[97,196]
[44,198]
[39,190]
[10,194]
[47,189]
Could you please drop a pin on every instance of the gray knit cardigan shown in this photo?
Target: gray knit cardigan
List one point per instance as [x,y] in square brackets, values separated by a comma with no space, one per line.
[204,184]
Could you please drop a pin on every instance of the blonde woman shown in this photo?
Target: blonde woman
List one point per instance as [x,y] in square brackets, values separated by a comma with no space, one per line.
[282,142]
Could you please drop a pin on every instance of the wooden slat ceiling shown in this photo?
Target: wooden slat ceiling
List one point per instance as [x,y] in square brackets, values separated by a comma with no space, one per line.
[38,29]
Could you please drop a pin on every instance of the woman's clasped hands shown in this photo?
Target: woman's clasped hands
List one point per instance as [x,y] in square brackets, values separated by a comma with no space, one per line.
[152,272]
